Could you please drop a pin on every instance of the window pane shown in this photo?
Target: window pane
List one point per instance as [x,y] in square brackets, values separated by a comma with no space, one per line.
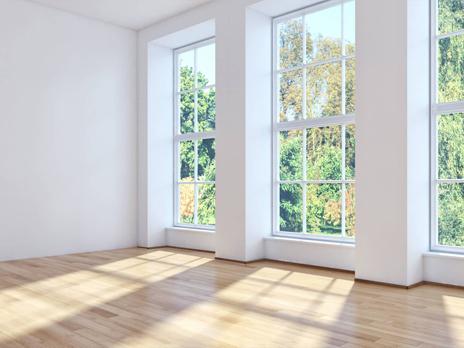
[206,160]
[186,103]
[350,84]
[206,66]
[350,212]
[291,208]
[451,215]
[291,96]
[350,152]
[186,203]
[187,160]
[450,16]
[451,69]
[206,204]
[451,146]
[324,90]
[323,34]
[324,210]
[206,109]
[291,155]
[186,63]
[324,153]
[290,43]
[349,26]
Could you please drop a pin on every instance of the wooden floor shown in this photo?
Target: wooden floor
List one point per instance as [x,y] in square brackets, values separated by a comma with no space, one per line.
[176,298]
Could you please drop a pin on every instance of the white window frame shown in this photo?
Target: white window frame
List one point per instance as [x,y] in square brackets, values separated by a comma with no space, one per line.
[342,120]
[194,136]
[436,110]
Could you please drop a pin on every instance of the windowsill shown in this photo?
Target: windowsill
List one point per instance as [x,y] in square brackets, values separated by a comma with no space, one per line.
[310,242]
[443,255]
[190,229]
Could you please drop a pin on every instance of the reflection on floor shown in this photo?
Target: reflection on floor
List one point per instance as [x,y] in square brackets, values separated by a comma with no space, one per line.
[176,298]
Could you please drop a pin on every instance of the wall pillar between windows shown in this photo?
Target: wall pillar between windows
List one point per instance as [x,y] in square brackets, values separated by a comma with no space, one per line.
[243,150]
[392,140]
[155,148]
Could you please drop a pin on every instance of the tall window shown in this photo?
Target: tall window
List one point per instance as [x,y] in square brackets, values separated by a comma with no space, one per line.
[314,131]
[194,139]
[448,125]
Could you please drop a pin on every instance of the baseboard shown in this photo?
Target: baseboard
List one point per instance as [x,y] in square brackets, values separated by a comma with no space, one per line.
[358,280]
[452,286]
[398,286]
[235,261]
[176,247]
[322,268]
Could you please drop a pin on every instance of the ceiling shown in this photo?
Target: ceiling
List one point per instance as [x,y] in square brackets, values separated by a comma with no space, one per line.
[133,14]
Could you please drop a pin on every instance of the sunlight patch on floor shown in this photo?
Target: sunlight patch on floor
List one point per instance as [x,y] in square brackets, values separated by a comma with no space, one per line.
[39,304]
[265,296]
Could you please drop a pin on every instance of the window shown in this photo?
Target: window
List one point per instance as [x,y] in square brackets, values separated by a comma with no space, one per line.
[314,130]
[194,138]
[447,125]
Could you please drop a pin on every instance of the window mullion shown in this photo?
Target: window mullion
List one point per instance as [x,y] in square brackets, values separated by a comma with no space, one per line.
[304,185]
[304,116]
[343,134]
[195,83]
[195,215]
[343,127]
[314,64]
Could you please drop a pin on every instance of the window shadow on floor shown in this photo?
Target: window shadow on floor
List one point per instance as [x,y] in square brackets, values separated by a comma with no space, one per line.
[188,299]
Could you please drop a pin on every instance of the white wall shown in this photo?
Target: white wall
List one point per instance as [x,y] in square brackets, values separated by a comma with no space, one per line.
[392,117]
[309,252]
[68,133]
[191,239]
[444,268]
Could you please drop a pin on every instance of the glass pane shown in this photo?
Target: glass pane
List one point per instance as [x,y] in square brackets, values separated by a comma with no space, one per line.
[451,146]
[186,63]
[206,204]
[187,160]
[350,85]
[350,212]
[324,153]
[350,152]
[324,34]
[324,209]
[291,208]
[291,96]
[450,16]
[206,160]
[291,155]
[324,90]
[206,65]
[186,103]
[451,69]
[290,43]
[349,27]
[206,109]
[451,215]
[186,203]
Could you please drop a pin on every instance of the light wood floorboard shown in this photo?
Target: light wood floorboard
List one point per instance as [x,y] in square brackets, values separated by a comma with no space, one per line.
[177,298]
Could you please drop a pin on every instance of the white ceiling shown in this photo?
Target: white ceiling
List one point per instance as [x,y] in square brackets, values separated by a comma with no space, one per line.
[133,14]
